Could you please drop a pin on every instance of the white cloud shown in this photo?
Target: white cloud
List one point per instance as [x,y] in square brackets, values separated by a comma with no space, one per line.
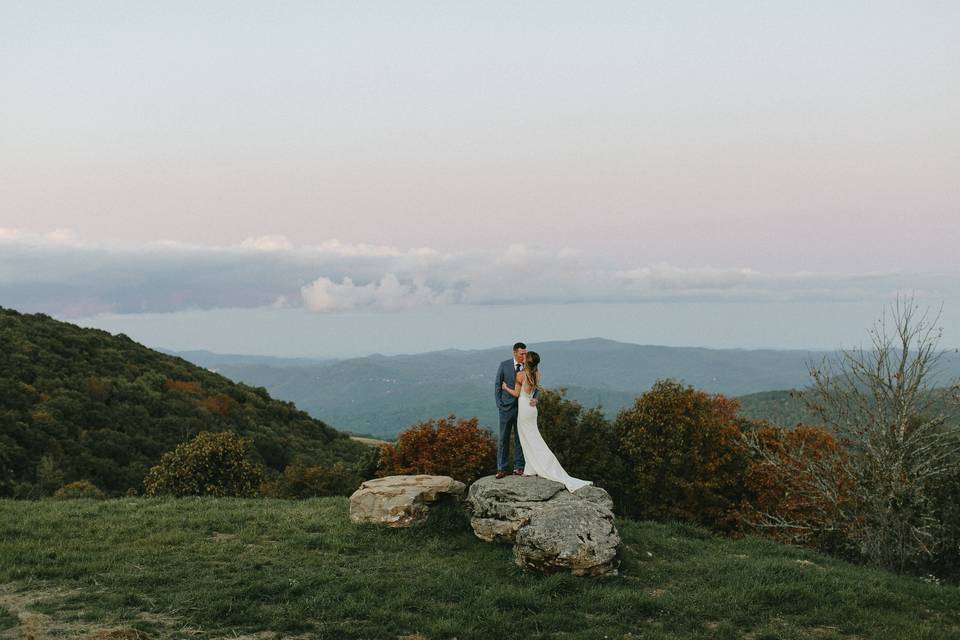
[56,273]
[55,237]
[338,248]
[324,295]
[267,243]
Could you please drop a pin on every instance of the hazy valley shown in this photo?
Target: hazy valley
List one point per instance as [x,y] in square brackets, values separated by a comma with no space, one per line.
[381,395]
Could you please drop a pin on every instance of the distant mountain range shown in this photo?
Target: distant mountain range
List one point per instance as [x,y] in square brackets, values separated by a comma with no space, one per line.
[381,395]
[211,360]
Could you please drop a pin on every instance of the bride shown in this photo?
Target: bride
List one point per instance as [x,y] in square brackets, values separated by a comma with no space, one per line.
[540,461]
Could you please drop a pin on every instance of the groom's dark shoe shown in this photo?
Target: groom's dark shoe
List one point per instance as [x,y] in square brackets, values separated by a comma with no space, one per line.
[501,474]
[518,472]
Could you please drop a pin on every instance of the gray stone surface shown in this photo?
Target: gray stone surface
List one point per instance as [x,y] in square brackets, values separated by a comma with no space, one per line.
[509,501]
[551,528]
[578,537]
[402,501]
[494,530]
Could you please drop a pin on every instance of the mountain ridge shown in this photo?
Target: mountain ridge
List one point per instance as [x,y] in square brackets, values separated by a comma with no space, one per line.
[380,395]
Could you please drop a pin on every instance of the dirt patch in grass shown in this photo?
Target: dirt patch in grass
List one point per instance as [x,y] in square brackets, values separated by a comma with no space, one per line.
[663,589]
[269,635]
[32,625]
[119,634]
[217,536]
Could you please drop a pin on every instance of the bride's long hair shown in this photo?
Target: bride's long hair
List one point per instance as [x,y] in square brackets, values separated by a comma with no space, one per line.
[532,373]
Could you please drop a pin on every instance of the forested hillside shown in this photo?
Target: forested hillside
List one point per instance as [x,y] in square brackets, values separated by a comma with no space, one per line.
[84,404]
[787,408]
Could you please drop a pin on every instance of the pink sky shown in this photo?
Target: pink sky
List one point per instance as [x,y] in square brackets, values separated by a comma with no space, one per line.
[780,137]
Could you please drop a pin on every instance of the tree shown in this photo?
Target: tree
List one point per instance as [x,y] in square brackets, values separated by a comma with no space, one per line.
[49,475]
[683,456]
[448,447]
[798,484]
[583,441]
[880,401]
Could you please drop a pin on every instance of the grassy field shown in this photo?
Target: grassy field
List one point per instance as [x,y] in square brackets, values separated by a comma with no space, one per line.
[263,569]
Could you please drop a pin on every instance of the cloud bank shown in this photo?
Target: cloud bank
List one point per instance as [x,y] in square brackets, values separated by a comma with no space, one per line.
[58,274]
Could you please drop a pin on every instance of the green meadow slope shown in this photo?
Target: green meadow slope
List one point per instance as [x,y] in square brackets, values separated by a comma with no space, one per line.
[264,569]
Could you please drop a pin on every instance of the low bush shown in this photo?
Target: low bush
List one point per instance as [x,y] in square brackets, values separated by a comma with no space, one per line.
[800,489]
[583,440]
[944,495]
[79,489]
[299,481]
[212,464]
[448,446]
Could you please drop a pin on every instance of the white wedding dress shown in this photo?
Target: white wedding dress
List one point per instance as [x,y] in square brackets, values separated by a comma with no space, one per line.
[539,460]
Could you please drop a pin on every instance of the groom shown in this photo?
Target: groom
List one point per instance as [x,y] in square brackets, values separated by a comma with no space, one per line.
[507,405]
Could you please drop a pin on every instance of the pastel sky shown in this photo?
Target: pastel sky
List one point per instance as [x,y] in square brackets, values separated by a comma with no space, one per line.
[389,158]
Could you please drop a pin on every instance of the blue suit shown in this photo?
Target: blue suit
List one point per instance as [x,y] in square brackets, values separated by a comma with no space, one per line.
[507,405]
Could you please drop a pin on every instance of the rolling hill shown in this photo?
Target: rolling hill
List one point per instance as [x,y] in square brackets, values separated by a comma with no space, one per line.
[84,404]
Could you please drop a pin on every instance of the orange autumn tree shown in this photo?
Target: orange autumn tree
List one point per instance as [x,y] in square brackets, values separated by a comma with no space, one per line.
[801,491]
[447,447]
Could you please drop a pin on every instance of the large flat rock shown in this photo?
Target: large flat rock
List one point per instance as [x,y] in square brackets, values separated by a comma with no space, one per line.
[402,501]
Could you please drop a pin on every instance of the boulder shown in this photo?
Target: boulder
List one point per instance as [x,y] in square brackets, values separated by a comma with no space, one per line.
[498,508]
[578,537]
[402,501]
[551,528]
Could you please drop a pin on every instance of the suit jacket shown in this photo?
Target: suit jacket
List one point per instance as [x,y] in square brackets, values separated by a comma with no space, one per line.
[506,373]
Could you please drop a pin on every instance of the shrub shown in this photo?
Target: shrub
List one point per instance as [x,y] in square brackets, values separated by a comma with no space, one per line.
[583,441]
[683,457]
[799,485]
[220,404]
[79,489]
[944,493]
[299,481]
[98,388]
[49,475]
[448,446]
[212,464]
[189,387]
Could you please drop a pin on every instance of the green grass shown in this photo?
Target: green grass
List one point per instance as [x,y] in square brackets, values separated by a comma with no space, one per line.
[7,619]
[219,568]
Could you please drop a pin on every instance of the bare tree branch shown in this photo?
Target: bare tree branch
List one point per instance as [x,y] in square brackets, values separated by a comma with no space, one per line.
[880,402]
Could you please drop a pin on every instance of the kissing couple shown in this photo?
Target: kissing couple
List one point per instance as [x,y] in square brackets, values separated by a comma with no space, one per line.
[517,389]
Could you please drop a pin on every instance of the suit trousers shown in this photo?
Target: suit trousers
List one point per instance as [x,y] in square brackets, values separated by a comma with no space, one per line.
[508,423]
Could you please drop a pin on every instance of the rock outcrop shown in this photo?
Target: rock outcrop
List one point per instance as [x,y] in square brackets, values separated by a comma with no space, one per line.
[402,501]
[551,529]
